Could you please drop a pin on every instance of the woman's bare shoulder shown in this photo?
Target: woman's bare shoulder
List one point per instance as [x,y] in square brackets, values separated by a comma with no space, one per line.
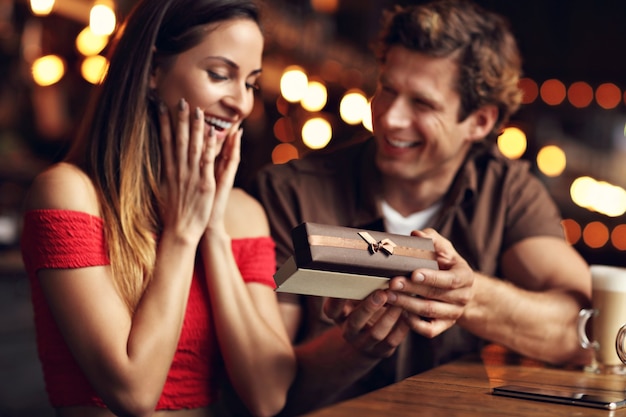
[245,216]
[63,186]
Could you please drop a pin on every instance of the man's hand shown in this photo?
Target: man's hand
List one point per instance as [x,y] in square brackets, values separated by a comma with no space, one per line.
[372,327]
[433,300]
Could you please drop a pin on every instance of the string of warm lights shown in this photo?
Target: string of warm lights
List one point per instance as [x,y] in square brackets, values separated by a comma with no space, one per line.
[595,234]
[579,94]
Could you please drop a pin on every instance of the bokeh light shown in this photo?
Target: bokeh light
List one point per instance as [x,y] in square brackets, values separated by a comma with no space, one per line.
[102,19]
[580,94]
[596,235]
[353,107]
[282,105]
[530,90]
[572,230]
[48,70]
[367,117]
[41,7]
[610,199]
[284,152]
[294,83]
[316,133]
[94,68]
[608,96]
[618,237]
[551,160]
[283,130]
[512,142]
[599,196]
[315,97]
[552,92]
[88,43]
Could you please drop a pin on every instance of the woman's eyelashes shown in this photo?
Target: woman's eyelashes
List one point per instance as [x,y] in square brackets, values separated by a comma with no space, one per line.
[220,77]
[217,77]
[253,86]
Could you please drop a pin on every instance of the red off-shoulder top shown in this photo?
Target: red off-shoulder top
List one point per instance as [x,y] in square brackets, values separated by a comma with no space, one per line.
[69,239]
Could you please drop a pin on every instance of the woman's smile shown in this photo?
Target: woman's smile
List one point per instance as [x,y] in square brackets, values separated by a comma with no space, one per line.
[219,124]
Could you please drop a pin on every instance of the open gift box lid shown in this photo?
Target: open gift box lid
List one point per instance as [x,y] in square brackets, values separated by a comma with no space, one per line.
[345,262]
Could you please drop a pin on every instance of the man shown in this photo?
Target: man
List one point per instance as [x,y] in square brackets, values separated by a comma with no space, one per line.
[447,85]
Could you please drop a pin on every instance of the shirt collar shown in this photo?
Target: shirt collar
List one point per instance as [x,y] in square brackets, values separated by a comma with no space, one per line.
[370,188]
[463,189]
[465,184]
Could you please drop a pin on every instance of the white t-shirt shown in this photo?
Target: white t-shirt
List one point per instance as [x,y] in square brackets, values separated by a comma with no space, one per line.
[400,225]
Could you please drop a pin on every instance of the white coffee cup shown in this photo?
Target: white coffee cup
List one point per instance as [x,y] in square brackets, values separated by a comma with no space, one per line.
[608,313]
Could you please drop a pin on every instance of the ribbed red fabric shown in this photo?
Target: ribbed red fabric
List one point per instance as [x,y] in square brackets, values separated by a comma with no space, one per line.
[69,239]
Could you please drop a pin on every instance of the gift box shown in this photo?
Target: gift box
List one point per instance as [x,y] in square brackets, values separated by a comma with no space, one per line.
[345,262]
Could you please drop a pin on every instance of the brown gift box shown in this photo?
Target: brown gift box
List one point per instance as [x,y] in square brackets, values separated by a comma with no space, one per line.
[345,262]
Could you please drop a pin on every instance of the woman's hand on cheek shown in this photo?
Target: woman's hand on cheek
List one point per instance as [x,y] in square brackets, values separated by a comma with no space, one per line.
[226,164]
[188,178]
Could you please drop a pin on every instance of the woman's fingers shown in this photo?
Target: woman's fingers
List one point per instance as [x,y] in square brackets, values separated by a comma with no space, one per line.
[226,164]
[182,137]
[188,176]
[167,147]
[229,158]
[196,145]
[207,163]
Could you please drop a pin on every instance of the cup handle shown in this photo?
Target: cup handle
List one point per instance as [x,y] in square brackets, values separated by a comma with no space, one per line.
[583,317]
[619,343]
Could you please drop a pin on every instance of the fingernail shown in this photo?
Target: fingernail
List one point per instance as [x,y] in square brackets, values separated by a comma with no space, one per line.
[377,299]
[391,297]
[198,113]
[162,107]
[419,277]
[181,104]
[397,285]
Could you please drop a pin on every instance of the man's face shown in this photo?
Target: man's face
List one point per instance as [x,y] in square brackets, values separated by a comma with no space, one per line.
[415,117]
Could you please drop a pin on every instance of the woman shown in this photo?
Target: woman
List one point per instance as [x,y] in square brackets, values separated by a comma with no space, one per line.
[151,276]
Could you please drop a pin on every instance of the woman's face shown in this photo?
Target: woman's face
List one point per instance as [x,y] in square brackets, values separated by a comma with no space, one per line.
[219,75]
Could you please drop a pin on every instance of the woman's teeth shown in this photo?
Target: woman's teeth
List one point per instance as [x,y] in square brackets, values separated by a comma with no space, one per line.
[218,123]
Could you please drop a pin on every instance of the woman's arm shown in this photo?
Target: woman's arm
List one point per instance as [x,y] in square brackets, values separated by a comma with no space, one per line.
[257,352]
[125,358]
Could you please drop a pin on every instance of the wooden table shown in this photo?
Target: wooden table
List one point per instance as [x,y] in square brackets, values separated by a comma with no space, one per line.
[463,388]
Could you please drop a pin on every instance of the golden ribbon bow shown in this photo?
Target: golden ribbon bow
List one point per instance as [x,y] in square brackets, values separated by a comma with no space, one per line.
[386,245]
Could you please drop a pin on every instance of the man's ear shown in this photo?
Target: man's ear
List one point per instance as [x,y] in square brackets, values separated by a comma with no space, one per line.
[483,121]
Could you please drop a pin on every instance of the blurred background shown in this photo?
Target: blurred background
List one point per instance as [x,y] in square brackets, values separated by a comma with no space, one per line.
[318,77]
